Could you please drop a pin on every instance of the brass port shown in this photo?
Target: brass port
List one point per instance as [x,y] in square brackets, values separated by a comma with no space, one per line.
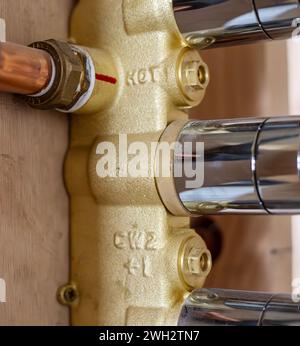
[193,76]
[194,262]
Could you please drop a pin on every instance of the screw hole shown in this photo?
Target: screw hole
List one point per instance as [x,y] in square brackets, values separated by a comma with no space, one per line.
[70,295]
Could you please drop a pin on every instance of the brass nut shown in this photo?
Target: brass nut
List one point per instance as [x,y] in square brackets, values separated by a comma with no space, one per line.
[68,84]
[195,262]
[68,295]
[193,76]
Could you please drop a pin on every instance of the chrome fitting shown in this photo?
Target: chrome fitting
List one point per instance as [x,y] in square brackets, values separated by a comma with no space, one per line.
[245,166]
[218,23]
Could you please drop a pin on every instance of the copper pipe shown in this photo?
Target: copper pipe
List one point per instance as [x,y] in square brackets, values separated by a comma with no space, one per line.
[23,70]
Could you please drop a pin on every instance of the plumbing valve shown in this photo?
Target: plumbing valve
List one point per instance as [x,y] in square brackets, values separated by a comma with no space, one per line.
[129,76]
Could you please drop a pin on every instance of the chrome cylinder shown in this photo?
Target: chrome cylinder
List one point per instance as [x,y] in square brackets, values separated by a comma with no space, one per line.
[278,18]
[215,23]
[238,166]
[217,307]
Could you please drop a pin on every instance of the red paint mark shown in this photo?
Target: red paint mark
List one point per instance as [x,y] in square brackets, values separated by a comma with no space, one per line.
[106,79]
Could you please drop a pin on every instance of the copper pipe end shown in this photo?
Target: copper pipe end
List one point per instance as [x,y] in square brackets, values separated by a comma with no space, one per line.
[23,70]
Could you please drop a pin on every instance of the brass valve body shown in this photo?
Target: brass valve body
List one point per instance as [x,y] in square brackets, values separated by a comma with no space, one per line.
[132,262]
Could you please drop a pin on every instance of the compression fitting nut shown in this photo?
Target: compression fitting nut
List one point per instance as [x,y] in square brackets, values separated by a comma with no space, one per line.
[68,83]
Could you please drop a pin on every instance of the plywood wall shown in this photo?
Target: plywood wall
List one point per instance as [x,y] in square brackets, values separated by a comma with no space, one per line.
[33,202]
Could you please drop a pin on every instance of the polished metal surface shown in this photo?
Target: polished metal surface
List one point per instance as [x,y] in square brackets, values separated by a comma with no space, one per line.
[249,166]
[217,307]
[228,184]
[24,70]
[278,18]
[214,23]
[278,165]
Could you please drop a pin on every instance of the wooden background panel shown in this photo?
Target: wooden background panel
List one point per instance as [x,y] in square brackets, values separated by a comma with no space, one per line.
[246,81]
[33,203]
[256,254]
[250,81]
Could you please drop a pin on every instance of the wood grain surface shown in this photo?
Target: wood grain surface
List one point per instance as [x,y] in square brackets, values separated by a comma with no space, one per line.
[33,202]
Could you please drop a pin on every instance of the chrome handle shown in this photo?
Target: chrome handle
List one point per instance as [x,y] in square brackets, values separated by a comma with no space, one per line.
[215,23]
[247,166]
[217,307]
